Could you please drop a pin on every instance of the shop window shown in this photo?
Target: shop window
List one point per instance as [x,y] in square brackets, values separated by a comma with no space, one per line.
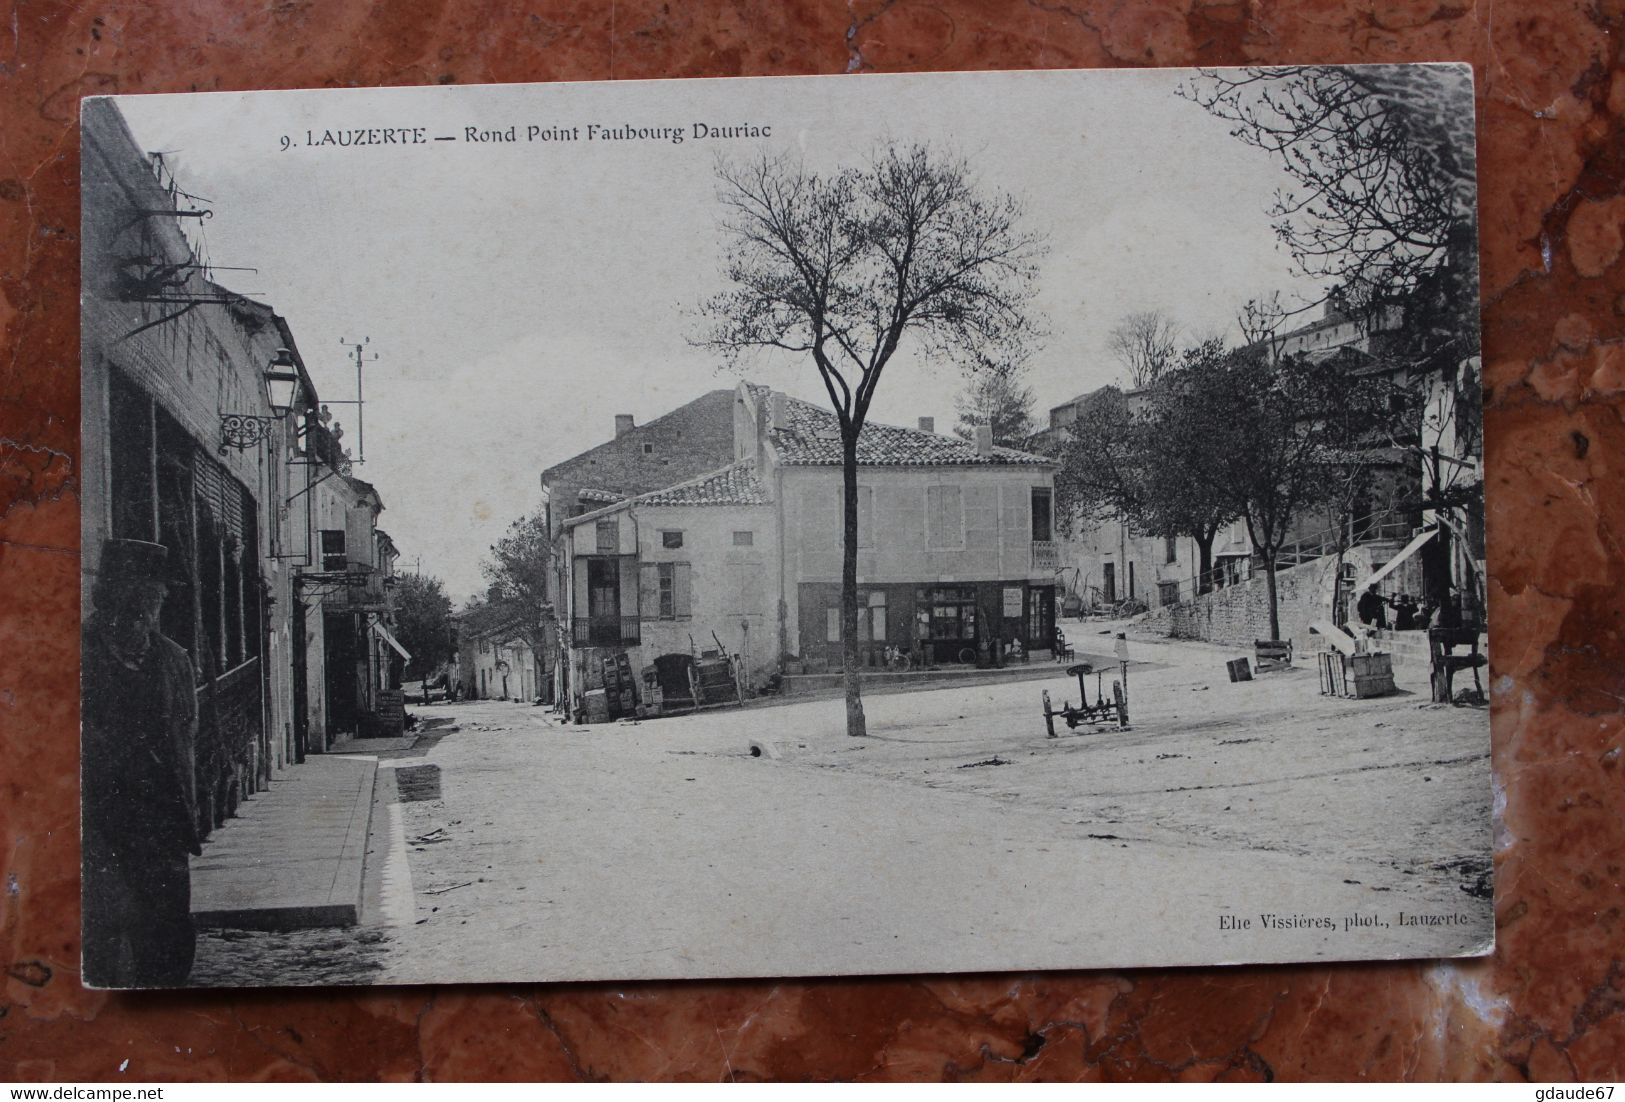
[947,613]
[872,616]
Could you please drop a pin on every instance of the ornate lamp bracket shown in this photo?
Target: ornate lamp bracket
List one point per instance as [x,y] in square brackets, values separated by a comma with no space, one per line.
[243,430]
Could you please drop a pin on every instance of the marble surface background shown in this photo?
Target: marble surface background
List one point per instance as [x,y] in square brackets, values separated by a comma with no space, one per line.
[1547,1006]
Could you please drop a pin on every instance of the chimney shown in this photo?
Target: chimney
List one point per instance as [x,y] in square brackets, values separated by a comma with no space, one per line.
[623,424]
[777,417]
[928,424]
[984,439]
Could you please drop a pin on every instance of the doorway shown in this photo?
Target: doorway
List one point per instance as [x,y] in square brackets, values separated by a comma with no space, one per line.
[604,602]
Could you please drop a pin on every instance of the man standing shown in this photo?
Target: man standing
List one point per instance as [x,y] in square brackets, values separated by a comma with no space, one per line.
[139,802]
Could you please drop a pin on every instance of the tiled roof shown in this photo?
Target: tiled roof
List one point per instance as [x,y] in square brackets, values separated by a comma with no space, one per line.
[735,485]
[812,438]
[486,620]
[588,493]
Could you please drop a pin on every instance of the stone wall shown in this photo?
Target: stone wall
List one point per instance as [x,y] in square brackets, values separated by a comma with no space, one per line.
[1240,613]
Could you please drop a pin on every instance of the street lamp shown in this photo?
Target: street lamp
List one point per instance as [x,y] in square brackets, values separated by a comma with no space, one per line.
[281,382]
[245,430]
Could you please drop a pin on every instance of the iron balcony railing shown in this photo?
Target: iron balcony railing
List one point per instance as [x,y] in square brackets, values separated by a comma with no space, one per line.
[606,631]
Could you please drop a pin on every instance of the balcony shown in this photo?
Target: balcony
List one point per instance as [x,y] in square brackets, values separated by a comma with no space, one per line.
[1046,556]
[605,631]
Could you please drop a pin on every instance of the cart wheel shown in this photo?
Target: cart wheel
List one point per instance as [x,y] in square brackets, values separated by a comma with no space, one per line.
[1122,703]
[1049,716]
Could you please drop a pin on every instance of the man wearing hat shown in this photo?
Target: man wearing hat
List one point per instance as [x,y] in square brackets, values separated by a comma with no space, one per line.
[139,802]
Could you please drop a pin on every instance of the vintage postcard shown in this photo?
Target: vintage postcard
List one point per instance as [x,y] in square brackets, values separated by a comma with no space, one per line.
[806,526]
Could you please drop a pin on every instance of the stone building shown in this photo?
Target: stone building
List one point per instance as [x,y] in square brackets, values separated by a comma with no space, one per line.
[495,659]
[183,446]
[345,585]
[692,440]
[956,552]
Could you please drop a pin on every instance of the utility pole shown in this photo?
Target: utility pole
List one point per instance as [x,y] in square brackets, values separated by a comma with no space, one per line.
[358,352]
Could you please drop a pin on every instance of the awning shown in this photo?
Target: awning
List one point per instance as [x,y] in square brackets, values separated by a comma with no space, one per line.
[382,632]
[1393,564]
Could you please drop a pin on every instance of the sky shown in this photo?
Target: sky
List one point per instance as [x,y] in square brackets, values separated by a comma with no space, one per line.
[518,295]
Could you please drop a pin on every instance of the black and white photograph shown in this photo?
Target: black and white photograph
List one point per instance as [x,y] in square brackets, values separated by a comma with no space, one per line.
[788,526]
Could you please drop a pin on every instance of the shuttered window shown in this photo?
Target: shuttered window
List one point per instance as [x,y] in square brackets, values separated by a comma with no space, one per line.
[680,590]
[663,590]
[944,518]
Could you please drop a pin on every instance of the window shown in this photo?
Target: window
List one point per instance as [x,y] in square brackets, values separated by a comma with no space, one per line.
[333,559]
[609,537]
[947,613]
[872,616]
[1043,514]
[671,540]
[1170,549]
[944,518]
[1167,593]
[668,591]
[648,449]
[664,590]
[744,538]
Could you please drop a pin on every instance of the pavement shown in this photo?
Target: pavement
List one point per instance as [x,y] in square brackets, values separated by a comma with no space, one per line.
[1233,822]
[293,856]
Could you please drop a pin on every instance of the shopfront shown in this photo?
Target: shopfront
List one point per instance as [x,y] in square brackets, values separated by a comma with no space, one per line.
[935,624]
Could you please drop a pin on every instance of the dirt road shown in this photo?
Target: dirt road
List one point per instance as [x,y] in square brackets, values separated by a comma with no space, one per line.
[955,837]
[1250,822]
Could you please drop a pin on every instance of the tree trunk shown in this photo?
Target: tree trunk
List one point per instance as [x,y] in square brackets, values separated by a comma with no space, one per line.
[1269,582]
[851,656]
[1204,560]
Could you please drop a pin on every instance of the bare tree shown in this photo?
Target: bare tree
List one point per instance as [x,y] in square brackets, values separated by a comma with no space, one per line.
[1144,343]
[1260,319]
[841,268]
[1383,160]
